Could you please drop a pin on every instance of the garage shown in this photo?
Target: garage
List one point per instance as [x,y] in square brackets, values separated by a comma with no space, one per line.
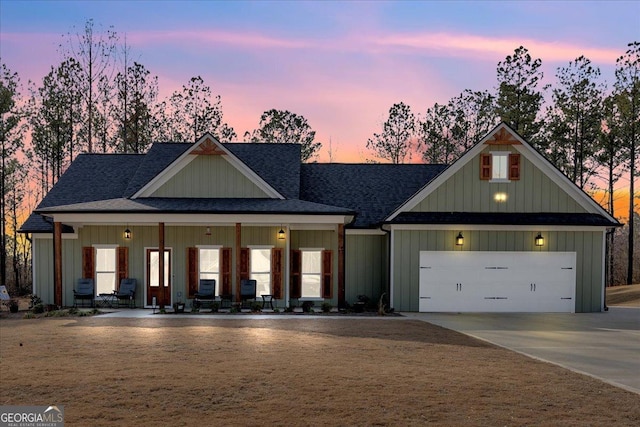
[469,281]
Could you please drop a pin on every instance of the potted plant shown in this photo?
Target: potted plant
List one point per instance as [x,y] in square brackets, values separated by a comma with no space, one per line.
[178,307]
[13,305]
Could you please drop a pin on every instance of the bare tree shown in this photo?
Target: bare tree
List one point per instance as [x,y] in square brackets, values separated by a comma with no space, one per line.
[289,128]
[395,142]
[95,54]
[627,92]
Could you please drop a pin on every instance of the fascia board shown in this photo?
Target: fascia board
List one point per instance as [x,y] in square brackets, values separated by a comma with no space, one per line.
[492,227]
[196,219]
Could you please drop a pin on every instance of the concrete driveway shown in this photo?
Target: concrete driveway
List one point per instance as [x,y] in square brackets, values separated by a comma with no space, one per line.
[603,345]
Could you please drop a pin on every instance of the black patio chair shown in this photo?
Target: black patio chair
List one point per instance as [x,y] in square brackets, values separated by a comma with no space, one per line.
[206,294]
[127,292]
[84,291]
[247,292]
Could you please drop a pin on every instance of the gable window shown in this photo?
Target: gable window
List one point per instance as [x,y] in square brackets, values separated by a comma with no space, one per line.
[500,166]
[311,273]
[105,269]
[260,264]
[209,265]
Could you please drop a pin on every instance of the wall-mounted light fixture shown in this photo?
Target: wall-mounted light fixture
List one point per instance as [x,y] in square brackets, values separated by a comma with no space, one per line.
[127,234]
[460,239]
[500,197]
[207,231]
[539,240]
[281,234]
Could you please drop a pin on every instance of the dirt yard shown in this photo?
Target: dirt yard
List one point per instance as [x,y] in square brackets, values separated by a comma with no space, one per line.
[289,371]
[624,295]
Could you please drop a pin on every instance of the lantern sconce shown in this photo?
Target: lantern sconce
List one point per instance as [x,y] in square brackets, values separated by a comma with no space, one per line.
[281,234]
[127,234]
[539,240]
[460,239]
[207,231]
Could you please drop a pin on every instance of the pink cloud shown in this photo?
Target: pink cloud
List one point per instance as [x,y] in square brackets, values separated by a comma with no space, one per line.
[479,46]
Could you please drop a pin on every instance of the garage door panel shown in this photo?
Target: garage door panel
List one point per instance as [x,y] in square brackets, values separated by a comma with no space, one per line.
[497,281]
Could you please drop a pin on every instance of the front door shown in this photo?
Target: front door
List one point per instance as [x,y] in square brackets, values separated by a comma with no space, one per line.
[153,278]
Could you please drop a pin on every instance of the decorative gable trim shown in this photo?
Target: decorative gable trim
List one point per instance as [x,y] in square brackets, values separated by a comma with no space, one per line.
[502,135]
[206,145]
[208,148]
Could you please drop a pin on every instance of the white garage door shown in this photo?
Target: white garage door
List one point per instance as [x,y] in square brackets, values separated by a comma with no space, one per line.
[497,281]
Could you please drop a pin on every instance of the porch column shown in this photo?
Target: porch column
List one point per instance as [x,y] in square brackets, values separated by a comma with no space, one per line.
[161,263]
[57,263]
[341,289]
[238,247]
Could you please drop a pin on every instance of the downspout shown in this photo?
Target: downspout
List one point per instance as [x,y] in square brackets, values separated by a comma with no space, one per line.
[390,271]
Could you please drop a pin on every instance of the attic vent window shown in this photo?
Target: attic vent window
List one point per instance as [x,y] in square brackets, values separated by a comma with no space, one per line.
[500,166]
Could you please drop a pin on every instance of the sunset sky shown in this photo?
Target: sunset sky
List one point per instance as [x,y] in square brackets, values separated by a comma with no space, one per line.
[340,64]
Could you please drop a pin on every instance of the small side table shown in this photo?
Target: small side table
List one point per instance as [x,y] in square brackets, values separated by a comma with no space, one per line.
[106,300]
[267,299]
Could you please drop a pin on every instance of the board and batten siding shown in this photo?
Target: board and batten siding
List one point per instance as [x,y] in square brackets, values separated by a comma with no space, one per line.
[588,246]
[209,176]
[366,266]
[466,192]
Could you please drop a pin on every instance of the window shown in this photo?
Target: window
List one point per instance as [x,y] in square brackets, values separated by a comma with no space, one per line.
[209,265]
[500,166]
[311,273]
[260,264]
[105,270]
[153,266]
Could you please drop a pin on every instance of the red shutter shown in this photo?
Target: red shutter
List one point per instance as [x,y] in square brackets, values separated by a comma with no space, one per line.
[485,166]
[294,279]
[244,270]
[123,264]
[192,271]
[87,262]
[225,289]
[276,272]
[514,167]
[327,274]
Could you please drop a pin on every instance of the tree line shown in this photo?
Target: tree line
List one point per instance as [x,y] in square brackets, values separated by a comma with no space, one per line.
[98,99]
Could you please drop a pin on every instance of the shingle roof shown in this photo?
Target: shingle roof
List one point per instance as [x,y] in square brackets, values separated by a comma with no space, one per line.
[277,164]
[503,218]
[373,190]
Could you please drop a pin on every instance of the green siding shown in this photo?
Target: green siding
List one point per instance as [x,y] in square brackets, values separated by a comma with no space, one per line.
[209,176]
[366,267]
[586,244]
[466,192]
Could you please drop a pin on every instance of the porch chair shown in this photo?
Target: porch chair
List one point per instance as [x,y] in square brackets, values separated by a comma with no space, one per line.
[5,299]
[206,294]
[127,292]
[247,291]
[84,291]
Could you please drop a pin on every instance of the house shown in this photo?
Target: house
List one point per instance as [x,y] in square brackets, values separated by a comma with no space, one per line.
[500,229]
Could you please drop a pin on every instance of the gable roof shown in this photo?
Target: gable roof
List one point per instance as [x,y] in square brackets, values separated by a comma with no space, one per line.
[206,145]
[372,190]
[498,135]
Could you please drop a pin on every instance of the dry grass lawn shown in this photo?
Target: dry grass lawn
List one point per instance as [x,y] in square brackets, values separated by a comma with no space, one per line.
[624,295]
[289,371]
